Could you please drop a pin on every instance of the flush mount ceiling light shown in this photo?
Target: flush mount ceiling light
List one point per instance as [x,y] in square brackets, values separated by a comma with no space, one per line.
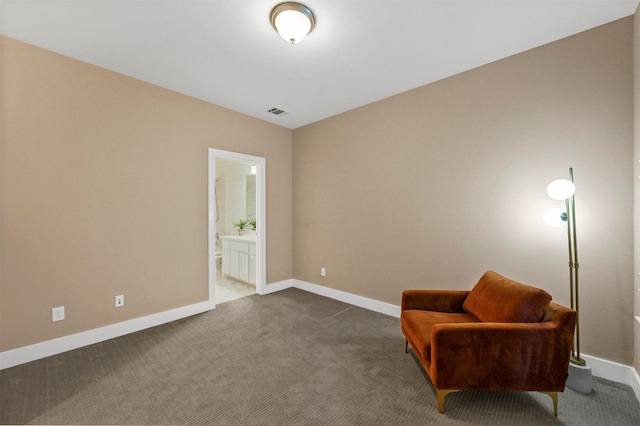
[293,21]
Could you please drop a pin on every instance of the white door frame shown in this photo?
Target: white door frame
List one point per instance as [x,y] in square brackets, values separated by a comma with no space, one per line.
[261,220]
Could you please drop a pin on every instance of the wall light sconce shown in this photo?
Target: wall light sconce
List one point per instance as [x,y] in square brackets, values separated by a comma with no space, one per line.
[293,21]
[580,378]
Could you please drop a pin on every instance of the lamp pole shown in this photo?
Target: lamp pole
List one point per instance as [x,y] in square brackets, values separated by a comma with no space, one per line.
[579,375]
[570,204]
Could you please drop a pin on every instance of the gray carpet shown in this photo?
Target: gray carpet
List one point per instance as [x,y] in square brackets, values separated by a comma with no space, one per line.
[289,358]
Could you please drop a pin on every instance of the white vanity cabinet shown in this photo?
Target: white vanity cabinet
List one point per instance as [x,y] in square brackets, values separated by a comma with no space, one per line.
[239,257]
[252,263]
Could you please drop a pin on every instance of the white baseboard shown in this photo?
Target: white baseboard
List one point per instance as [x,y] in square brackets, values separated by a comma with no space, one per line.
[278,286]
[363,302]
[635,383]
[614,371]
[609,370]
[36,351]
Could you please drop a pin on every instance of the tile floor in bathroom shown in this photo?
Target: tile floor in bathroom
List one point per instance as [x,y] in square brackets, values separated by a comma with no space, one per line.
[229,289]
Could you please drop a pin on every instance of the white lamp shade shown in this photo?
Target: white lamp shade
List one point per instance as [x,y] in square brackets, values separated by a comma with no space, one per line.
[561,189]
[553,217]
[292,25]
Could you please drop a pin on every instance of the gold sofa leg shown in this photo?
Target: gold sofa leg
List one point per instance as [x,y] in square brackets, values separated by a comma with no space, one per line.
[441,394]
[554,397]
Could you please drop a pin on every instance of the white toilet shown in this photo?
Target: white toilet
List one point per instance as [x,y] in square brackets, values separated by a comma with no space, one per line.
[218,256]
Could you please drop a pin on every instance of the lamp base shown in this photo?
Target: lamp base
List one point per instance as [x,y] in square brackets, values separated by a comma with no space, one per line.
[580,378]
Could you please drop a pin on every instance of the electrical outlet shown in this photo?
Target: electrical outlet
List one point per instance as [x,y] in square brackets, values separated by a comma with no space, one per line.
[57,314]
[323,272]
[119,300]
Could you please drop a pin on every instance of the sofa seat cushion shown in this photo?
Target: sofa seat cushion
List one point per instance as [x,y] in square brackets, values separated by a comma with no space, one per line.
[498,299]
[417,324]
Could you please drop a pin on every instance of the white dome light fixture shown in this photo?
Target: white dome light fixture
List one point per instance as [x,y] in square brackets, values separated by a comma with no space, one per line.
[293,21]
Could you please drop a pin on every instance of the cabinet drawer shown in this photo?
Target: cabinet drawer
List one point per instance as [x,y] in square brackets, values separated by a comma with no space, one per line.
[252,249]
[240,247]
[226,244]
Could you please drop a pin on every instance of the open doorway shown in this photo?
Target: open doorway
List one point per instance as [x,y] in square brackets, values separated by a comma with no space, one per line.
[237,238]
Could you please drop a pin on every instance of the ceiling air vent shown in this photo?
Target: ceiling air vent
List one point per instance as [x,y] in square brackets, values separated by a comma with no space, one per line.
[278,111]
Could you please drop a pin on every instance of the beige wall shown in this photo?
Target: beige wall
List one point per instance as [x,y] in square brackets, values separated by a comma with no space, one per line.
[636,91]
[432,187]
[104,192]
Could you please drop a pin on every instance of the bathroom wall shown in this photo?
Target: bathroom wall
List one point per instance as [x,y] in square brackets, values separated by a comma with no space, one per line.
[236,173]
[220,215]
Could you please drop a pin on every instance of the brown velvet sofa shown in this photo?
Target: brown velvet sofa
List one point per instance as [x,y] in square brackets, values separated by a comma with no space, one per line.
[501,335]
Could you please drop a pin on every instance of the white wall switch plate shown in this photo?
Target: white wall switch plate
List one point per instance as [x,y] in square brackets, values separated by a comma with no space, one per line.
[57,314]
[323,272]
[119,300]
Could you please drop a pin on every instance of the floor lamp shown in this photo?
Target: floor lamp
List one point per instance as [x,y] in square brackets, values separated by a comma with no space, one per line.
[580,378]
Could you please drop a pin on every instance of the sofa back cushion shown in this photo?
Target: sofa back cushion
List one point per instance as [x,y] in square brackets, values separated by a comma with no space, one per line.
[498,299]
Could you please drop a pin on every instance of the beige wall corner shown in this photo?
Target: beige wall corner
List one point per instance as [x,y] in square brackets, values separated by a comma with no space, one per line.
[636,176]
[104,192]
[432,187]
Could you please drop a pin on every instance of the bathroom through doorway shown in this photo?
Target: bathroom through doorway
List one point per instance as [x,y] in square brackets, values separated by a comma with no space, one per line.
[236,226]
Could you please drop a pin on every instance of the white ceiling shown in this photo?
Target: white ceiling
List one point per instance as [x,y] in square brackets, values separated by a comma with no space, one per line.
[226,52]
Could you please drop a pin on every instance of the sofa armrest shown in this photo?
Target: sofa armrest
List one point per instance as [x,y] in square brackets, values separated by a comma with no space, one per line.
[434,300]
[500,356]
